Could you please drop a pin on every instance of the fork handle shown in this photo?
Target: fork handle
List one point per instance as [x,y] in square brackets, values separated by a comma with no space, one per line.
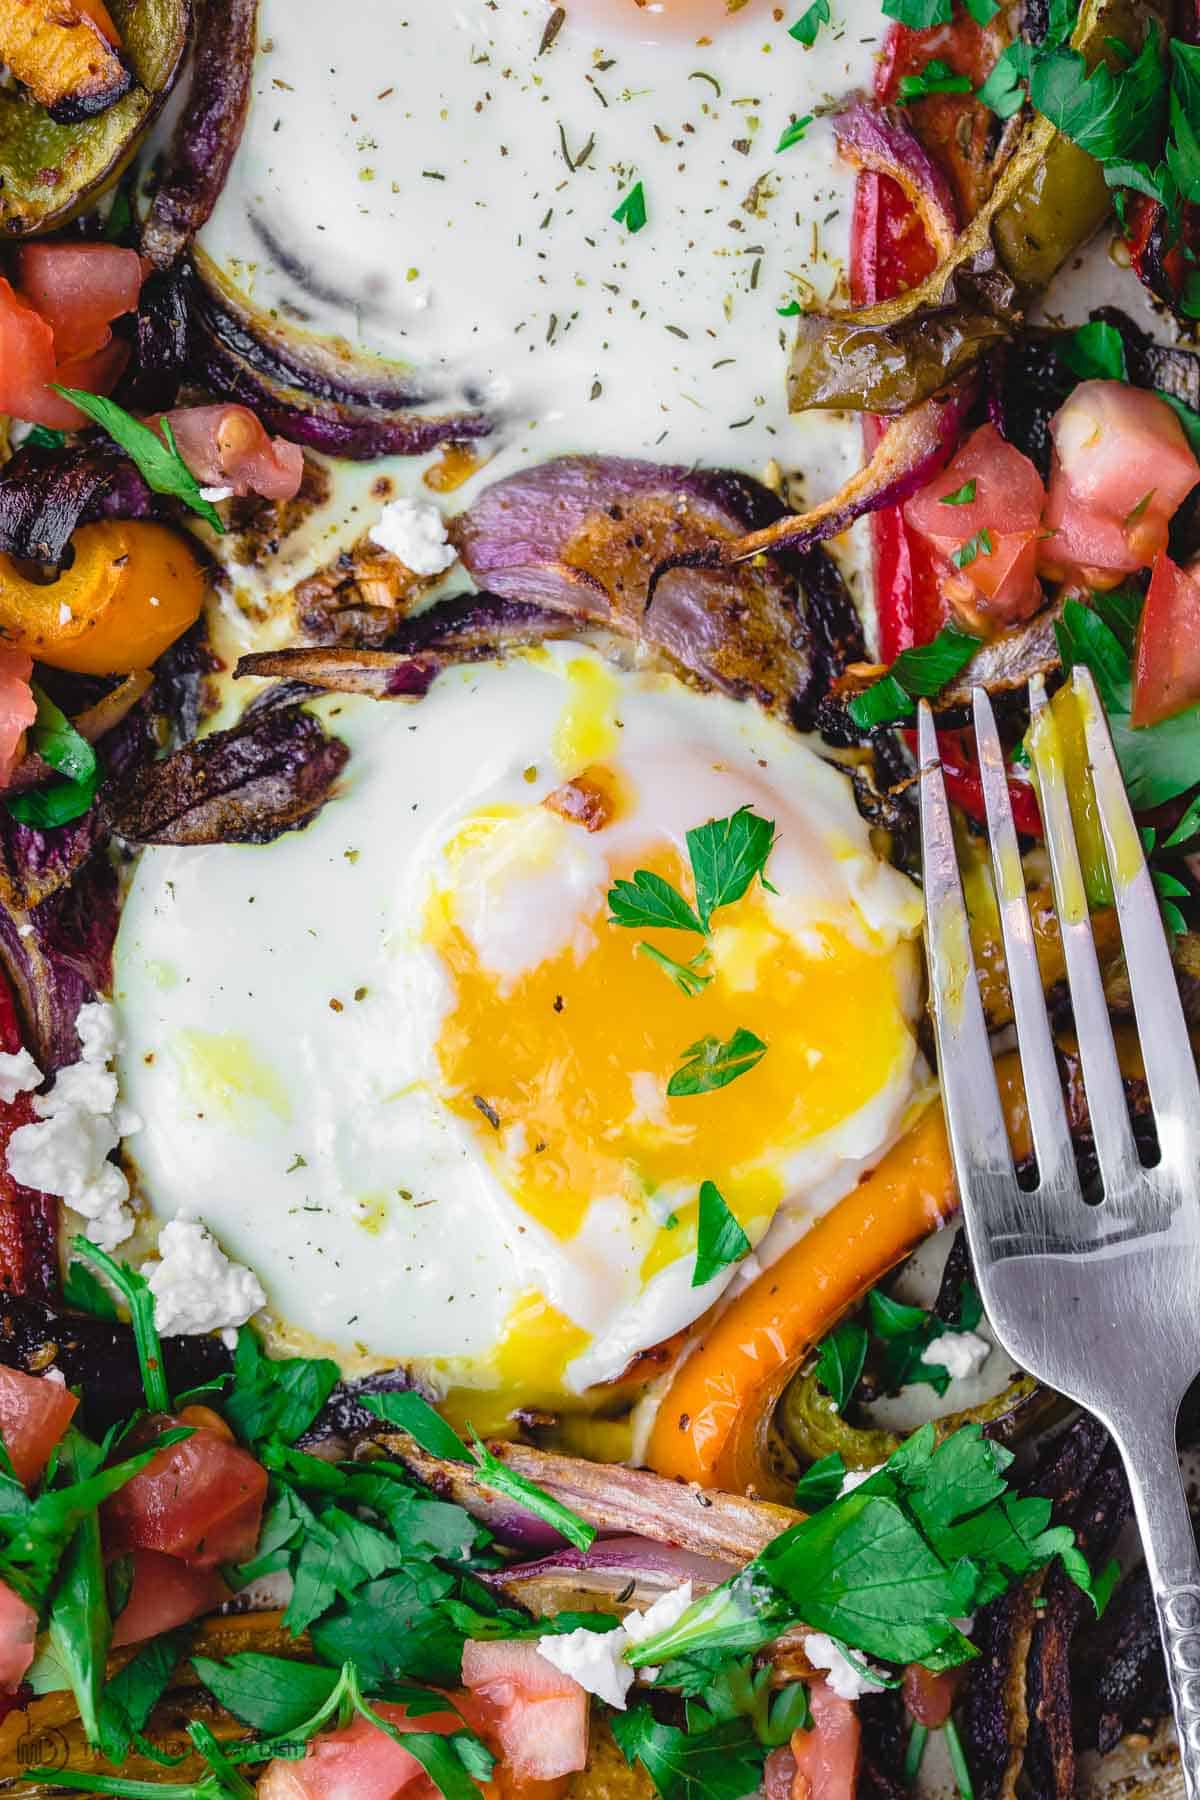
[1151,1460]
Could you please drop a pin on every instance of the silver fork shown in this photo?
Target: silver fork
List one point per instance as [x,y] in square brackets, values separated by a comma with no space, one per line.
[1099,1301]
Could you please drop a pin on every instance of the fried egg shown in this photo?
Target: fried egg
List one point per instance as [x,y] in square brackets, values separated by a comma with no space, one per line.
[407,1068]
[437,184]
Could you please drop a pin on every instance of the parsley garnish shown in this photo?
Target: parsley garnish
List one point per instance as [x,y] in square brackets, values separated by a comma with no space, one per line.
[793,133]
[688,976]
[919,15]
[809,23]
[961,496]
[412,1413]
[712,1064]
[937,77]
[720,1240]
[981,544]
[887,1569]
[45,437]
[821,1483]
[631,212]
[925,669]
[135,1290]
[840,1359]
[907,1332]
[56,741]
[1096,352]
[82,1290]
[722,1763]
[726,855]
[157,458]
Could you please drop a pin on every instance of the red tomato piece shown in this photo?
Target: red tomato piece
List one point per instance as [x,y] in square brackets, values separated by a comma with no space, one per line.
[165,1593]
[28,364]
[18,1628]
[1166,660]
[35,1410]
[18,708]
[537,1716]
[1121,468]
[359,1763]
[79,289]
[226,446]
[821,1764]
[1006,502]
[200,1500]
[929,1697]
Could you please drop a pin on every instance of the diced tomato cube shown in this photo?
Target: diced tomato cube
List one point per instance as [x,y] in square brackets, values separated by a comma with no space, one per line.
[79,289]
[18,1628]
[535,1716]
[35,1410]
[359,1763]
[1121,468]
[200,1500]
[822,1763]
[1166,661]
[992,530]
[165,1592]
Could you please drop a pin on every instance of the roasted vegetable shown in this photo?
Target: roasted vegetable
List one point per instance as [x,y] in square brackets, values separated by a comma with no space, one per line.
[52,171]
[66,54]
[130,592]
[1048,199]
[810,1422]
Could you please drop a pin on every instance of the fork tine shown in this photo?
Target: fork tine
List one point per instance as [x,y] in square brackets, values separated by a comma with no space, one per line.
[1115,1151]
[969,1091]
[1043,1090]
[1162,1028]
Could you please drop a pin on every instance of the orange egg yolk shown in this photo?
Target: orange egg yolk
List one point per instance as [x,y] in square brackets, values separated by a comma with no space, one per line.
[561,1072]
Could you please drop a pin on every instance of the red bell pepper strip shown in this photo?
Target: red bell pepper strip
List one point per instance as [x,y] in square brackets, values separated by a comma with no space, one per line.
[28,1220]
[889,252]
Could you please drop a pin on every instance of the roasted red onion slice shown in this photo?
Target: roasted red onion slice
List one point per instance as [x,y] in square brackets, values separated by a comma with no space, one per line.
[298,396]
[879,138]
[269,774]
[209,129]
[627,1502]
[586,535]
[623,1569]
[910,453]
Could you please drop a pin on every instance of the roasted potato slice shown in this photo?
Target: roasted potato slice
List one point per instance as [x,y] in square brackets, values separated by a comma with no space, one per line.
[66,53]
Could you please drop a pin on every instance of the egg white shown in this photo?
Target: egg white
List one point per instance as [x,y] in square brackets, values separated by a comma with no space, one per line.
[279,1006]
[420,182]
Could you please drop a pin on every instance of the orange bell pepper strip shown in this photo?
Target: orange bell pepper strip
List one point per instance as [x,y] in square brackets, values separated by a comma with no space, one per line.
[712,1425]
[132,589]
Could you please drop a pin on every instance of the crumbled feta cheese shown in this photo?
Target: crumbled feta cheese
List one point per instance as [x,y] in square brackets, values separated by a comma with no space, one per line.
[78,1123]
[598,1665]
[593,1659]
[854,1478]
[19,1074]
[414,531]
[65,615]
[840,1673]
[213,494]
[195,1285]
[960,1353]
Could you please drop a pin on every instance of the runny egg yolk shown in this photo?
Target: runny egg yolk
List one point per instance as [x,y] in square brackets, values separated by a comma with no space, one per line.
[660,21]
[561,1071]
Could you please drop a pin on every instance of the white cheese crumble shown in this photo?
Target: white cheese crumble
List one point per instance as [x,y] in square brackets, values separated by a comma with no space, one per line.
[79,1122]
[854,1478]
[213,494]
[195,1285]
[19,1074]
[595,1659]
[960,1353]
[840,1673]
[414,531]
